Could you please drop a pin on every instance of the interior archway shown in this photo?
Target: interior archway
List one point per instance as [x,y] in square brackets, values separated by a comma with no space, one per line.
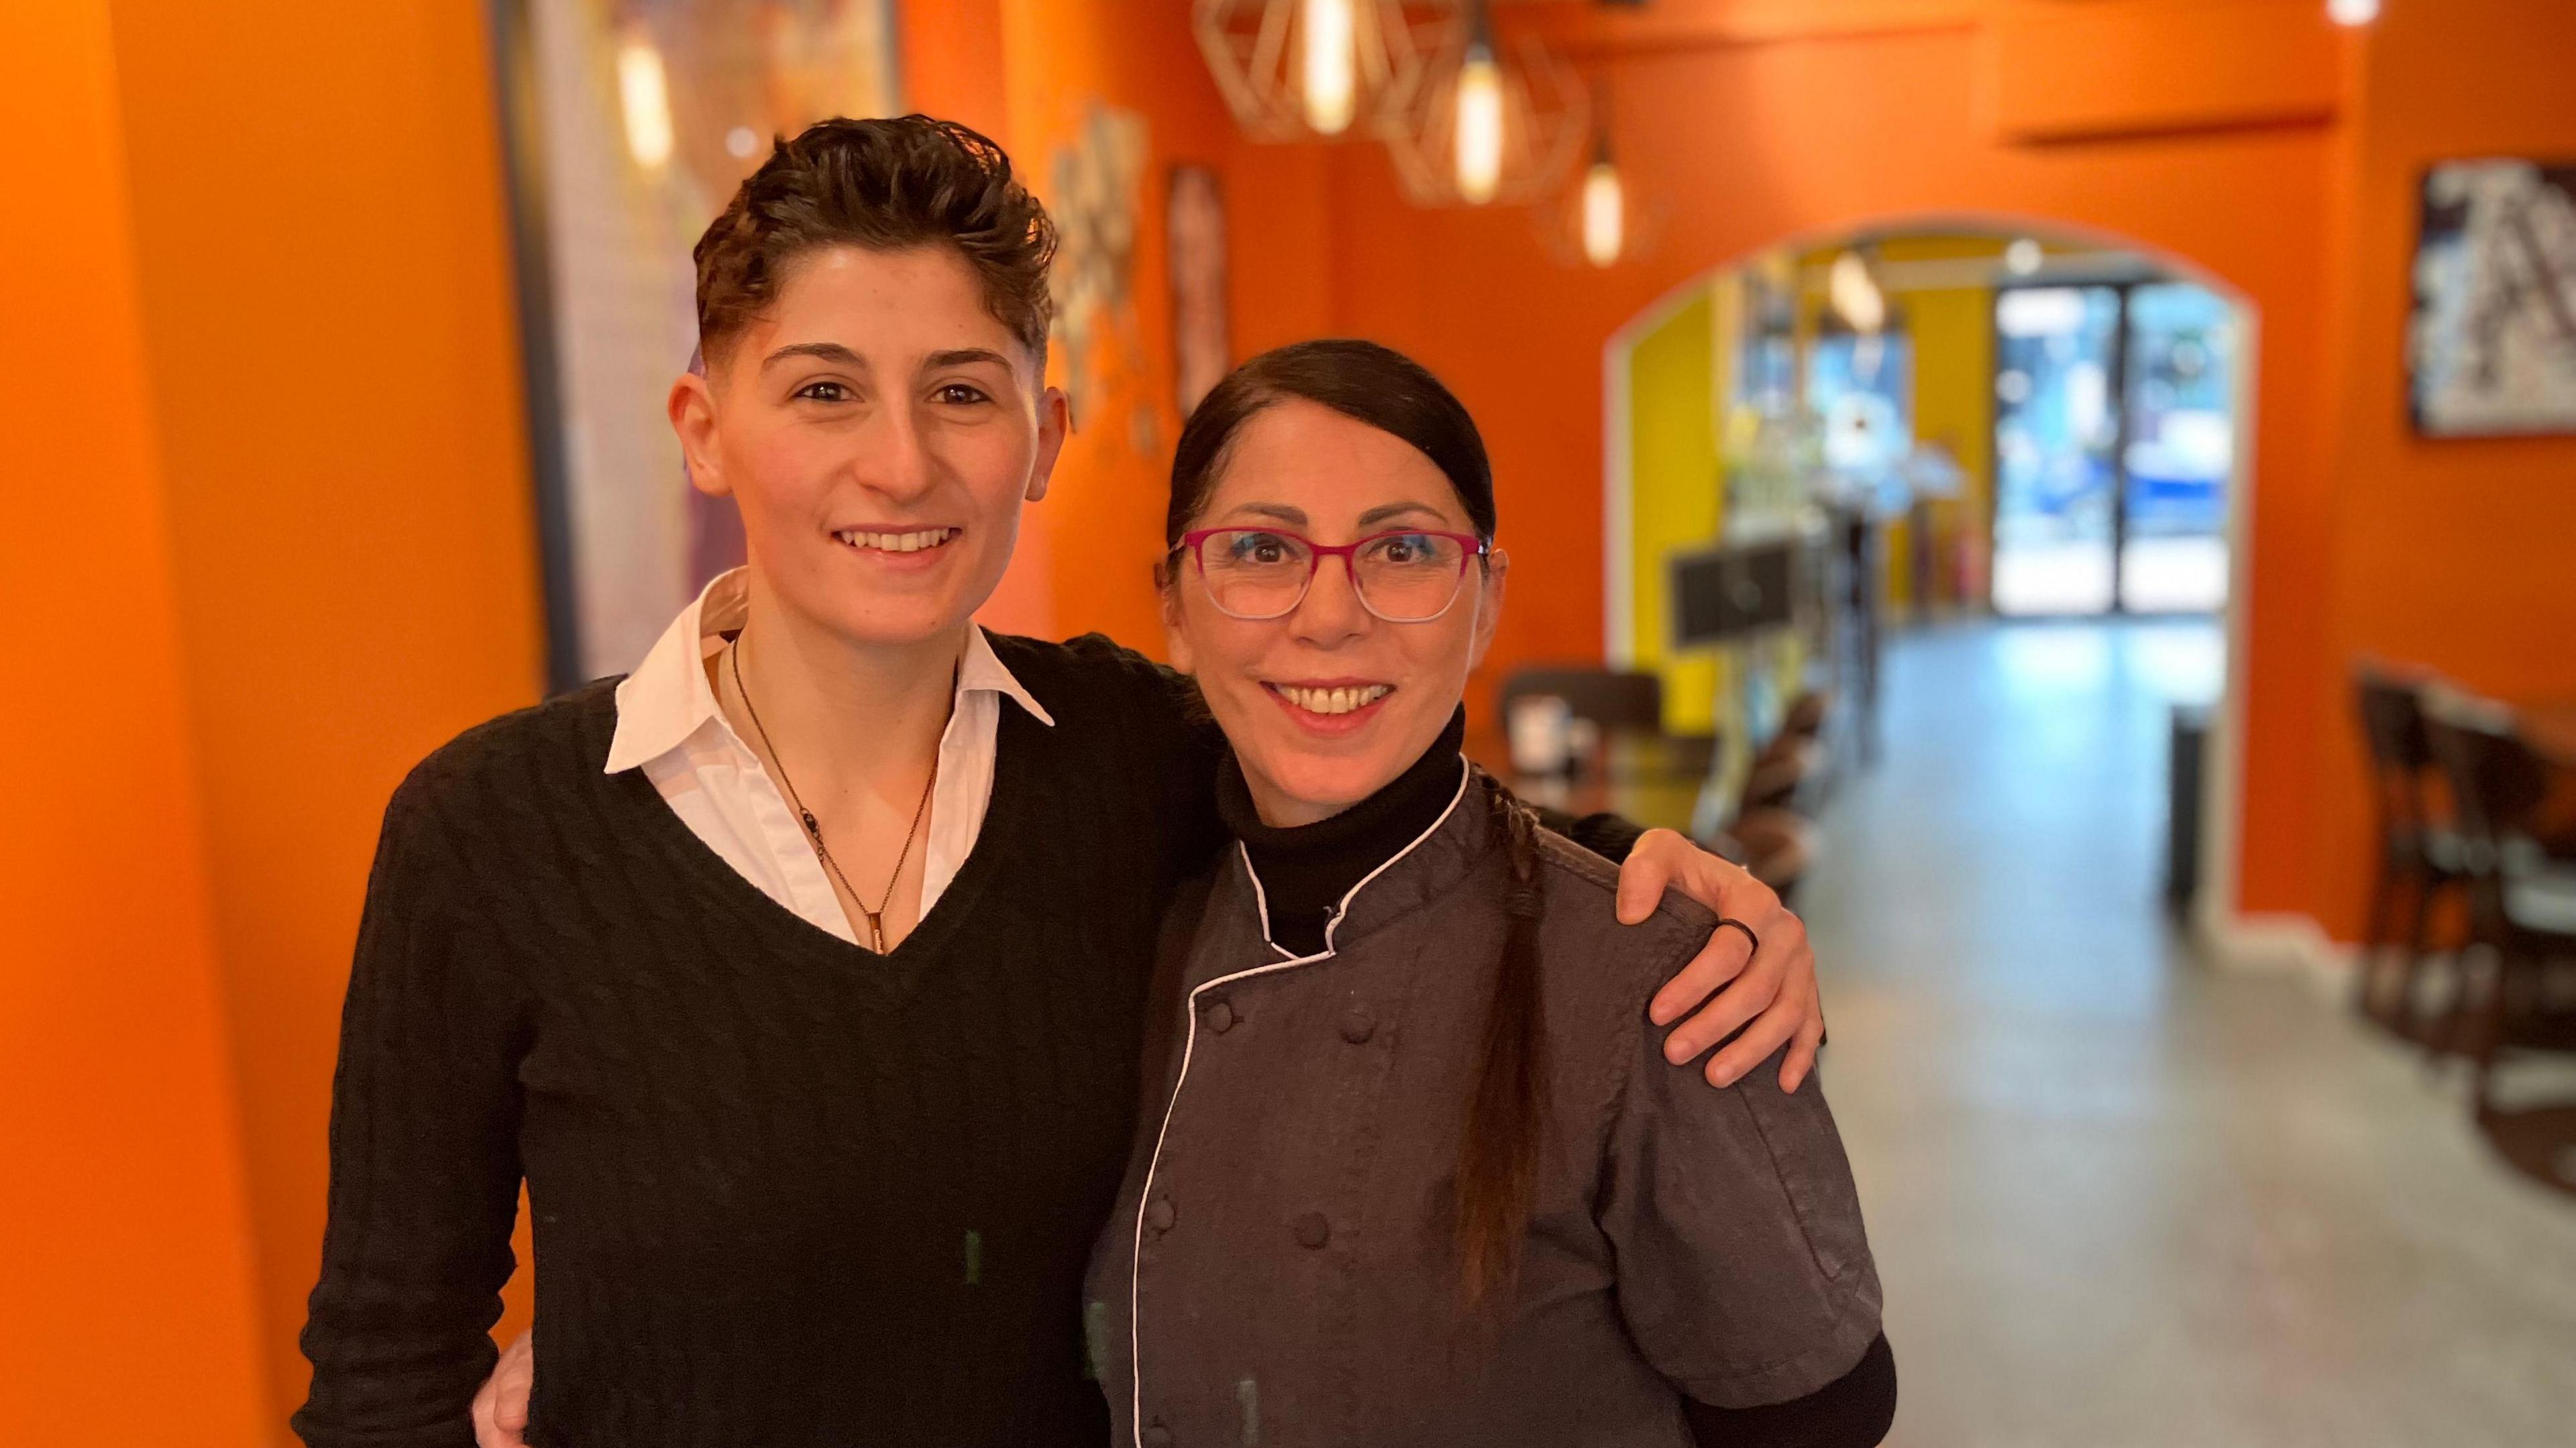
[2018,420]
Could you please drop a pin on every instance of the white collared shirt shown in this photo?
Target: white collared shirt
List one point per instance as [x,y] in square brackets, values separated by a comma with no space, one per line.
[668,725]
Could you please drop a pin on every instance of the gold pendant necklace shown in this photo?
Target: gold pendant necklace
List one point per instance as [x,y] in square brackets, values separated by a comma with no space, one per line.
[814,827]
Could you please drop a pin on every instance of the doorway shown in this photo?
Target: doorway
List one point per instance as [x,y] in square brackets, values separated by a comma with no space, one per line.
[1987,428]
[2115,435]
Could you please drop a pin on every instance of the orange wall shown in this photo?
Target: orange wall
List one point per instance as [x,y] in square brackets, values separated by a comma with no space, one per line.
[1748,144]
[129,1316]
[334,362]
[2460,554]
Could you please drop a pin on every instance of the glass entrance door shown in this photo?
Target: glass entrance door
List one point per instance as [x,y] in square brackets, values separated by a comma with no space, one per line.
[2180,449]
[2056,449]
[2114,439]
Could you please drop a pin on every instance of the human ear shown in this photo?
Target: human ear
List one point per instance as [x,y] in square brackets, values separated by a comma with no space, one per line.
[1489,605]
[1055,421]
[692,408]
[1176,639]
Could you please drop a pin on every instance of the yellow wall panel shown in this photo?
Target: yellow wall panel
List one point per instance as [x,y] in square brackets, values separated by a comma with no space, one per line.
[1674,383]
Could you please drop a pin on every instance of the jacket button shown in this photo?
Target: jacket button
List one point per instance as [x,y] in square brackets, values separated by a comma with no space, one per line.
[1158,1436]
[1358,1025]
[1158,1214]
[1313,1230]
[1219,1016]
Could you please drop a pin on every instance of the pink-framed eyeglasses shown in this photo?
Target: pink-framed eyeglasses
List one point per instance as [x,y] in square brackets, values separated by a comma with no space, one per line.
[1409,575]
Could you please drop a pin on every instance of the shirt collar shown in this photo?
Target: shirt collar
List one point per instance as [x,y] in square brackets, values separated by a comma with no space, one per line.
[667,698]
[982,669]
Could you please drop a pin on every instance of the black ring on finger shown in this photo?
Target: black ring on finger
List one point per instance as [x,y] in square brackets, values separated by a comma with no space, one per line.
[1751,939]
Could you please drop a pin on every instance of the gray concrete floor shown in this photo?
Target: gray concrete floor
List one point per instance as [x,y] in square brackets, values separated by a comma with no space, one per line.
[2120,1196]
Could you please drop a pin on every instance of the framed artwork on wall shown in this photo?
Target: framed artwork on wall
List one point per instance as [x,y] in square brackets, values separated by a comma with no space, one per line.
[1202,347]
[1097,202]
[2492,347]
[628,124]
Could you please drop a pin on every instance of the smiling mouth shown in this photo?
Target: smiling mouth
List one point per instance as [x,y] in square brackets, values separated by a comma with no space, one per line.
[1342,699]
[916,541]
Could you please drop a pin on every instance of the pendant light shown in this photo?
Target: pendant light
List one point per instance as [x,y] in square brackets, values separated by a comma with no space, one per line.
[1598,221]
[1316,70]
[1331,68]
[1490,123]
[644,97]
[1605,210]
[2352,12]
[1852,286]
[1477,131]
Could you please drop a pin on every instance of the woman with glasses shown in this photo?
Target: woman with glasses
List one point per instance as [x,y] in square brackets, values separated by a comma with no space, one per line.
[1411,1168]
[799,975]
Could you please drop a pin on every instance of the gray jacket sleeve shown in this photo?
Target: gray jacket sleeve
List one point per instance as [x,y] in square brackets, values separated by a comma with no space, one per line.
[1744,1273]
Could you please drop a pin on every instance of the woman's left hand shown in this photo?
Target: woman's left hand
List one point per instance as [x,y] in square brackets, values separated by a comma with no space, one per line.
[1770,992]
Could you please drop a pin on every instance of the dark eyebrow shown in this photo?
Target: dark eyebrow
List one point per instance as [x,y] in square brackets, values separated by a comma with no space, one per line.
[832,352]
[1293,517]
[1392,511]
[960,356]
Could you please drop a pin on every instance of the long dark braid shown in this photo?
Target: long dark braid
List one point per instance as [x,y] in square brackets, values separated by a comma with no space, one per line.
[1498,1156]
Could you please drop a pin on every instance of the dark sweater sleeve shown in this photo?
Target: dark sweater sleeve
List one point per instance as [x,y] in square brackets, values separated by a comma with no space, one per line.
[424,1157]
[1853,1411]
[1607,835]
[1175,741]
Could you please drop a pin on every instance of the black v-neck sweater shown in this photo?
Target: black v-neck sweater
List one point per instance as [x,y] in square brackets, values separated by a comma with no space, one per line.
[785,1191]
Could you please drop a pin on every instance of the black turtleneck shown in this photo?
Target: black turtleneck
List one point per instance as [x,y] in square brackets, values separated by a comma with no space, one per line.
[1305,870]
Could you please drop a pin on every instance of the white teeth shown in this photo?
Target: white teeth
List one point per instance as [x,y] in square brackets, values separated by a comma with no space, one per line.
[1334,701]
[897,542]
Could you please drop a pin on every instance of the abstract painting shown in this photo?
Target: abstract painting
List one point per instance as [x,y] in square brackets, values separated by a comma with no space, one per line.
[1098,206]
[1202,352]
[2493,344]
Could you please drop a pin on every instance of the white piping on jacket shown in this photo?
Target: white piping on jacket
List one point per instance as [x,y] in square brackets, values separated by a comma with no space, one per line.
[1189,1042]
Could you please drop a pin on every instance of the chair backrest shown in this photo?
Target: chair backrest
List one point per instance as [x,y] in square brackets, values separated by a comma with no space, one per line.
[1611,698]
[2498,784]
[1807,713]
[2391,705]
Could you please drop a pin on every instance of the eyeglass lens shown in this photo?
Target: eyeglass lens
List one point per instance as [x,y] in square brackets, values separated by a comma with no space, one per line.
[1402,577]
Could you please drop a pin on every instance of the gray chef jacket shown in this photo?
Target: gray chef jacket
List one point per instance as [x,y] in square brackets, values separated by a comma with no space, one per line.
[1280,1267]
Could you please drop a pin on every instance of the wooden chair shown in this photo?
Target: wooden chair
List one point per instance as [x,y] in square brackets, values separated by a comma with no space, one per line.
[2420,855]
[1782,775]
[2522,899]
[1788,767]
[1778,845]
[1806,715]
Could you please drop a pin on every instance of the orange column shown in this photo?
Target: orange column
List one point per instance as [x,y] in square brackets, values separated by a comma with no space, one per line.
[323,256]
[951,58]
[129,1314]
